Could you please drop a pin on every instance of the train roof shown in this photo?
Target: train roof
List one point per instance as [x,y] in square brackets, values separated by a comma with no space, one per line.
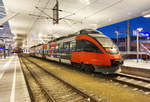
[89,31]
[86,31]
[83,31]
[33,46]
[36,45]
[63,37]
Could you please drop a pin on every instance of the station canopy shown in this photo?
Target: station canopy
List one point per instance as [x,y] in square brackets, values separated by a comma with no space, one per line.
[33,21]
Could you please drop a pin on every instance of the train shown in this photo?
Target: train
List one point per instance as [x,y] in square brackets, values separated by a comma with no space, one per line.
[88,49]
[17,50]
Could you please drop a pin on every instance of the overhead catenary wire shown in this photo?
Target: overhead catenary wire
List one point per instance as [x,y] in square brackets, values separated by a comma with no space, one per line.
[34,22]
[42,11]
[103,9]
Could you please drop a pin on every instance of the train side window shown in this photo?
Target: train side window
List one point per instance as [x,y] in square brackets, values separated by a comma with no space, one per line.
[54,50]
[57,48]
[61,47]
[72,46]
[36,51]
[91,47]
[41,51]
[46,51]
[67,47]
[79,45]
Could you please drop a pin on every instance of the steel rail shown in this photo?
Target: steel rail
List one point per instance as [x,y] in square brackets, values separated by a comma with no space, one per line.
[134,77]
[133,84]
[91,99]
[49,97]
[27,83]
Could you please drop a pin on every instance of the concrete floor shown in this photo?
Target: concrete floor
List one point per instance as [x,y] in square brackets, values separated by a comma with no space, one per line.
[12,82]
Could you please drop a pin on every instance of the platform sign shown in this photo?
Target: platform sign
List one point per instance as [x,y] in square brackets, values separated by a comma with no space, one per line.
[33,37]
[145,34]
[1,48]
[13,35]
[142,34]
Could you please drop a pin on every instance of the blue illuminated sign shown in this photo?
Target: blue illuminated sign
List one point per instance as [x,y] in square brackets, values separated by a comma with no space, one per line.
[32,36]
[1,48]
[142,34]
[145,34]
[13,35]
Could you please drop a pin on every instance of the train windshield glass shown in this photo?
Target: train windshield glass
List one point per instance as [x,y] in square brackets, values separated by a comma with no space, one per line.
[89,31]
[109,46]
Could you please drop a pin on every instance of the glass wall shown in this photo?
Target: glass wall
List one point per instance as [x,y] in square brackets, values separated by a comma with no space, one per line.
[121,29]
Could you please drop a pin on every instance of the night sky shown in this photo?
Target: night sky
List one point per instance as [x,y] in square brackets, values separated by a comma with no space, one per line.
[139,22]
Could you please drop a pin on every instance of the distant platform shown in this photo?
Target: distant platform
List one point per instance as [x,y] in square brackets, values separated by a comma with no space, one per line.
[12,83]
[140,64]
[140,68]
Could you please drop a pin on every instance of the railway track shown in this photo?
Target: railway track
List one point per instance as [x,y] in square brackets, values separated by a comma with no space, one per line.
[134,81]
[54,88]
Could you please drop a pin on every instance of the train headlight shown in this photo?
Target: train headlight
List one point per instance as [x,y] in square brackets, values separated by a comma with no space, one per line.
[107,49]
[112,50]
[116,62]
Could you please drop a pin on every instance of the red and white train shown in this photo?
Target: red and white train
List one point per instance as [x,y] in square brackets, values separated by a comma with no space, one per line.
[88,49]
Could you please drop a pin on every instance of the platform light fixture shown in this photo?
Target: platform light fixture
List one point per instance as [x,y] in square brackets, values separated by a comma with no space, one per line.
[1,27]
[139,29]
[146,14]
[137,42]
[117,33]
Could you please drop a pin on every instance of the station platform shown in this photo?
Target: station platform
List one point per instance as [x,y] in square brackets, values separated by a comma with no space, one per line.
[140,64]
[12,83]
[140,68]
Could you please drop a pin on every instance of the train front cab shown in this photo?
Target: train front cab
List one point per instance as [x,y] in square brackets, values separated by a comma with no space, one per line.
[95,56]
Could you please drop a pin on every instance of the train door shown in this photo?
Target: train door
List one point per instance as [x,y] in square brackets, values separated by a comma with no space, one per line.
[44,51]
[67,50]
[79,47]
[75,52]
[48,50]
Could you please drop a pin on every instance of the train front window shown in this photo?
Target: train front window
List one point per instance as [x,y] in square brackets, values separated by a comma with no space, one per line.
[109,46]
[87,46]
[89,31]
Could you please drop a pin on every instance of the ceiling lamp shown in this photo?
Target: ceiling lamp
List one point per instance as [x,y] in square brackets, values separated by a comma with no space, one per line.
[146,14]
[1,26]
